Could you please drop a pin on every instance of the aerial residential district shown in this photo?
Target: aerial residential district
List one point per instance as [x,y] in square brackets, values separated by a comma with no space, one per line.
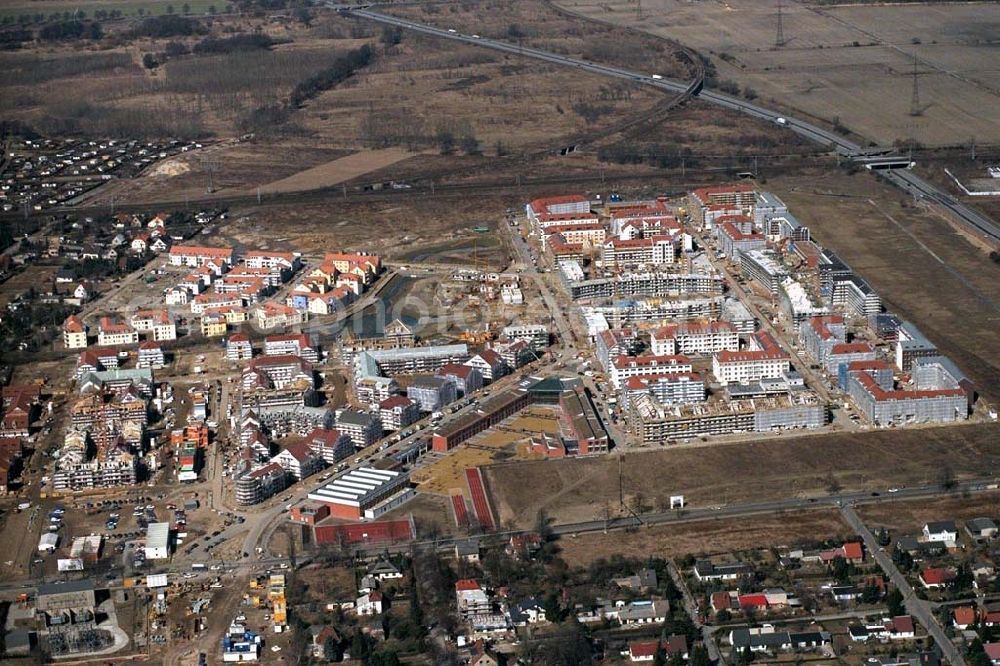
[580,419]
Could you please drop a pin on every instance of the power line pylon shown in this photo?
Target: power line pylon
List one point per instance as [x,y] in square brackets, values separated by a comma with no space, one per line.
[779,37]
[915,109]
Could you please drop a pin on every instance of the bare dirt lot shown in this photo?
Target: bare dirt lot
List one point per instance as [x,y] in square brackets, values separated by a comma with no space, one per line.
[704,537]
[338,171]
[923,269]
[576,490]
[851,62]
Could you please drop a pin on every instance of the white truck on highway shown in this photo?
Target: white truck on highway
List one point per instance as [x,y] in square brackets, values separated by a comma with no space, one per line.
[655,76]
[781,120]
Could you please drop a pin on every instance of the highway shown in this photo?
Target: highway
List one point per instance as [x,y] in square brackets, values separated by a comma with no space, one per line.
[902,178]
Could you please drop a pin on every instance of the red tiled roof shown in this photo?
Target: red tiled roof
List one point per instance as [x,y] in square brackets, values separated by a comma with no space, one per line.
[73,324]
[629,361]
[394,401]
[466,584]
[877,364]
[869,385]
[936,576]
[643,649]
[851,348]
[821,325]
[642,382]
[965,615]
[853,551]
[220,252]
[539,205]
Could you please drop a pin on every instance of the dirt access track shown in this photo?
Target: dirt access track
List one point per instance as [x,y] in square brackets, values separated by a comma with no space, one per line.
[571,490]
[852,62]
[337,171]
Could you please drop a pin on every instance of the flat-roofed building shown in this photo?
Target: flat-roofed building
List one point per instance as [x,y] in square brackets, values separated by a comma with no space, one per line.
[158,541]
[364,493]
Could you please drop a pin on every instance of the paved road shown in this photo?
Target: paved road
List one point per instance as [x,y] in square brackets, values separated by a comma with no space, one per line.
[917,607]
[902,178]
[691,606]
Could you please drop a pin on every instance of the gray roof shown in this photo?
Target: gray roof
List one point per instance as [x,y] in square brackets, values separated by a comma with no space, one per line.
[941,526]
[980,524]
[353,417]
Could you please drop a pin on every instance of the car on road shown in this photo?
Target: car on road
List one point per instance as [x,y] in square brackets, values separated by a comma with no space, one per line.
[893,490]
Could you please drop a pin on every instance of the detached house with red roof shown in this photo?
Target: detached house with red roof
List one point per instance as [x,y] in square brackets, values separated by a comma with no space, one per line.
[935,578]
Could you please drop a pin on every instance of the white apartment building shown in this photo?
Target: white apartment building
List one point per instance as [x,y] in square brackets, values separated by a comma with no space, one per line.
[624,367]
[695,338]
[652,250]
[767,359]
[157,322]
[113,333]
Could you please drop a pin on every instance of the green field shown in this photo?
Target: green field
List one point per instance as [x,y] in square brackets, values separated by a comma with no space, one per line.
[128,8]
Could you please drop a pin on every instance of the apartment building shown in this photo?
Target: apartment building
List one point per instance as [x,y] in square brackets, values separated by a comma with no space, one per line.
[739,197]
[275,315]
[629,313]
[404,361]
[74,333]
[257,485]
[624,367]
[277,372]
[299,460]
[900,407]
[611,343]
[115,333]
[733,240]
[150,355]
[238,348]
[765,359]
[466,378]
[695,338]
[329,444]
[432,393]
[488,363]
[588,234]
[536,335]
[681,388]
[763,267]
[397,412]
[912,344]
[567,209]
[295,344]
[646,284]
[819,334]
[655,250]
[848,352]
[363,428]
[856,297]
[192,255]
[796,304]
[158,322]
[281,263]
